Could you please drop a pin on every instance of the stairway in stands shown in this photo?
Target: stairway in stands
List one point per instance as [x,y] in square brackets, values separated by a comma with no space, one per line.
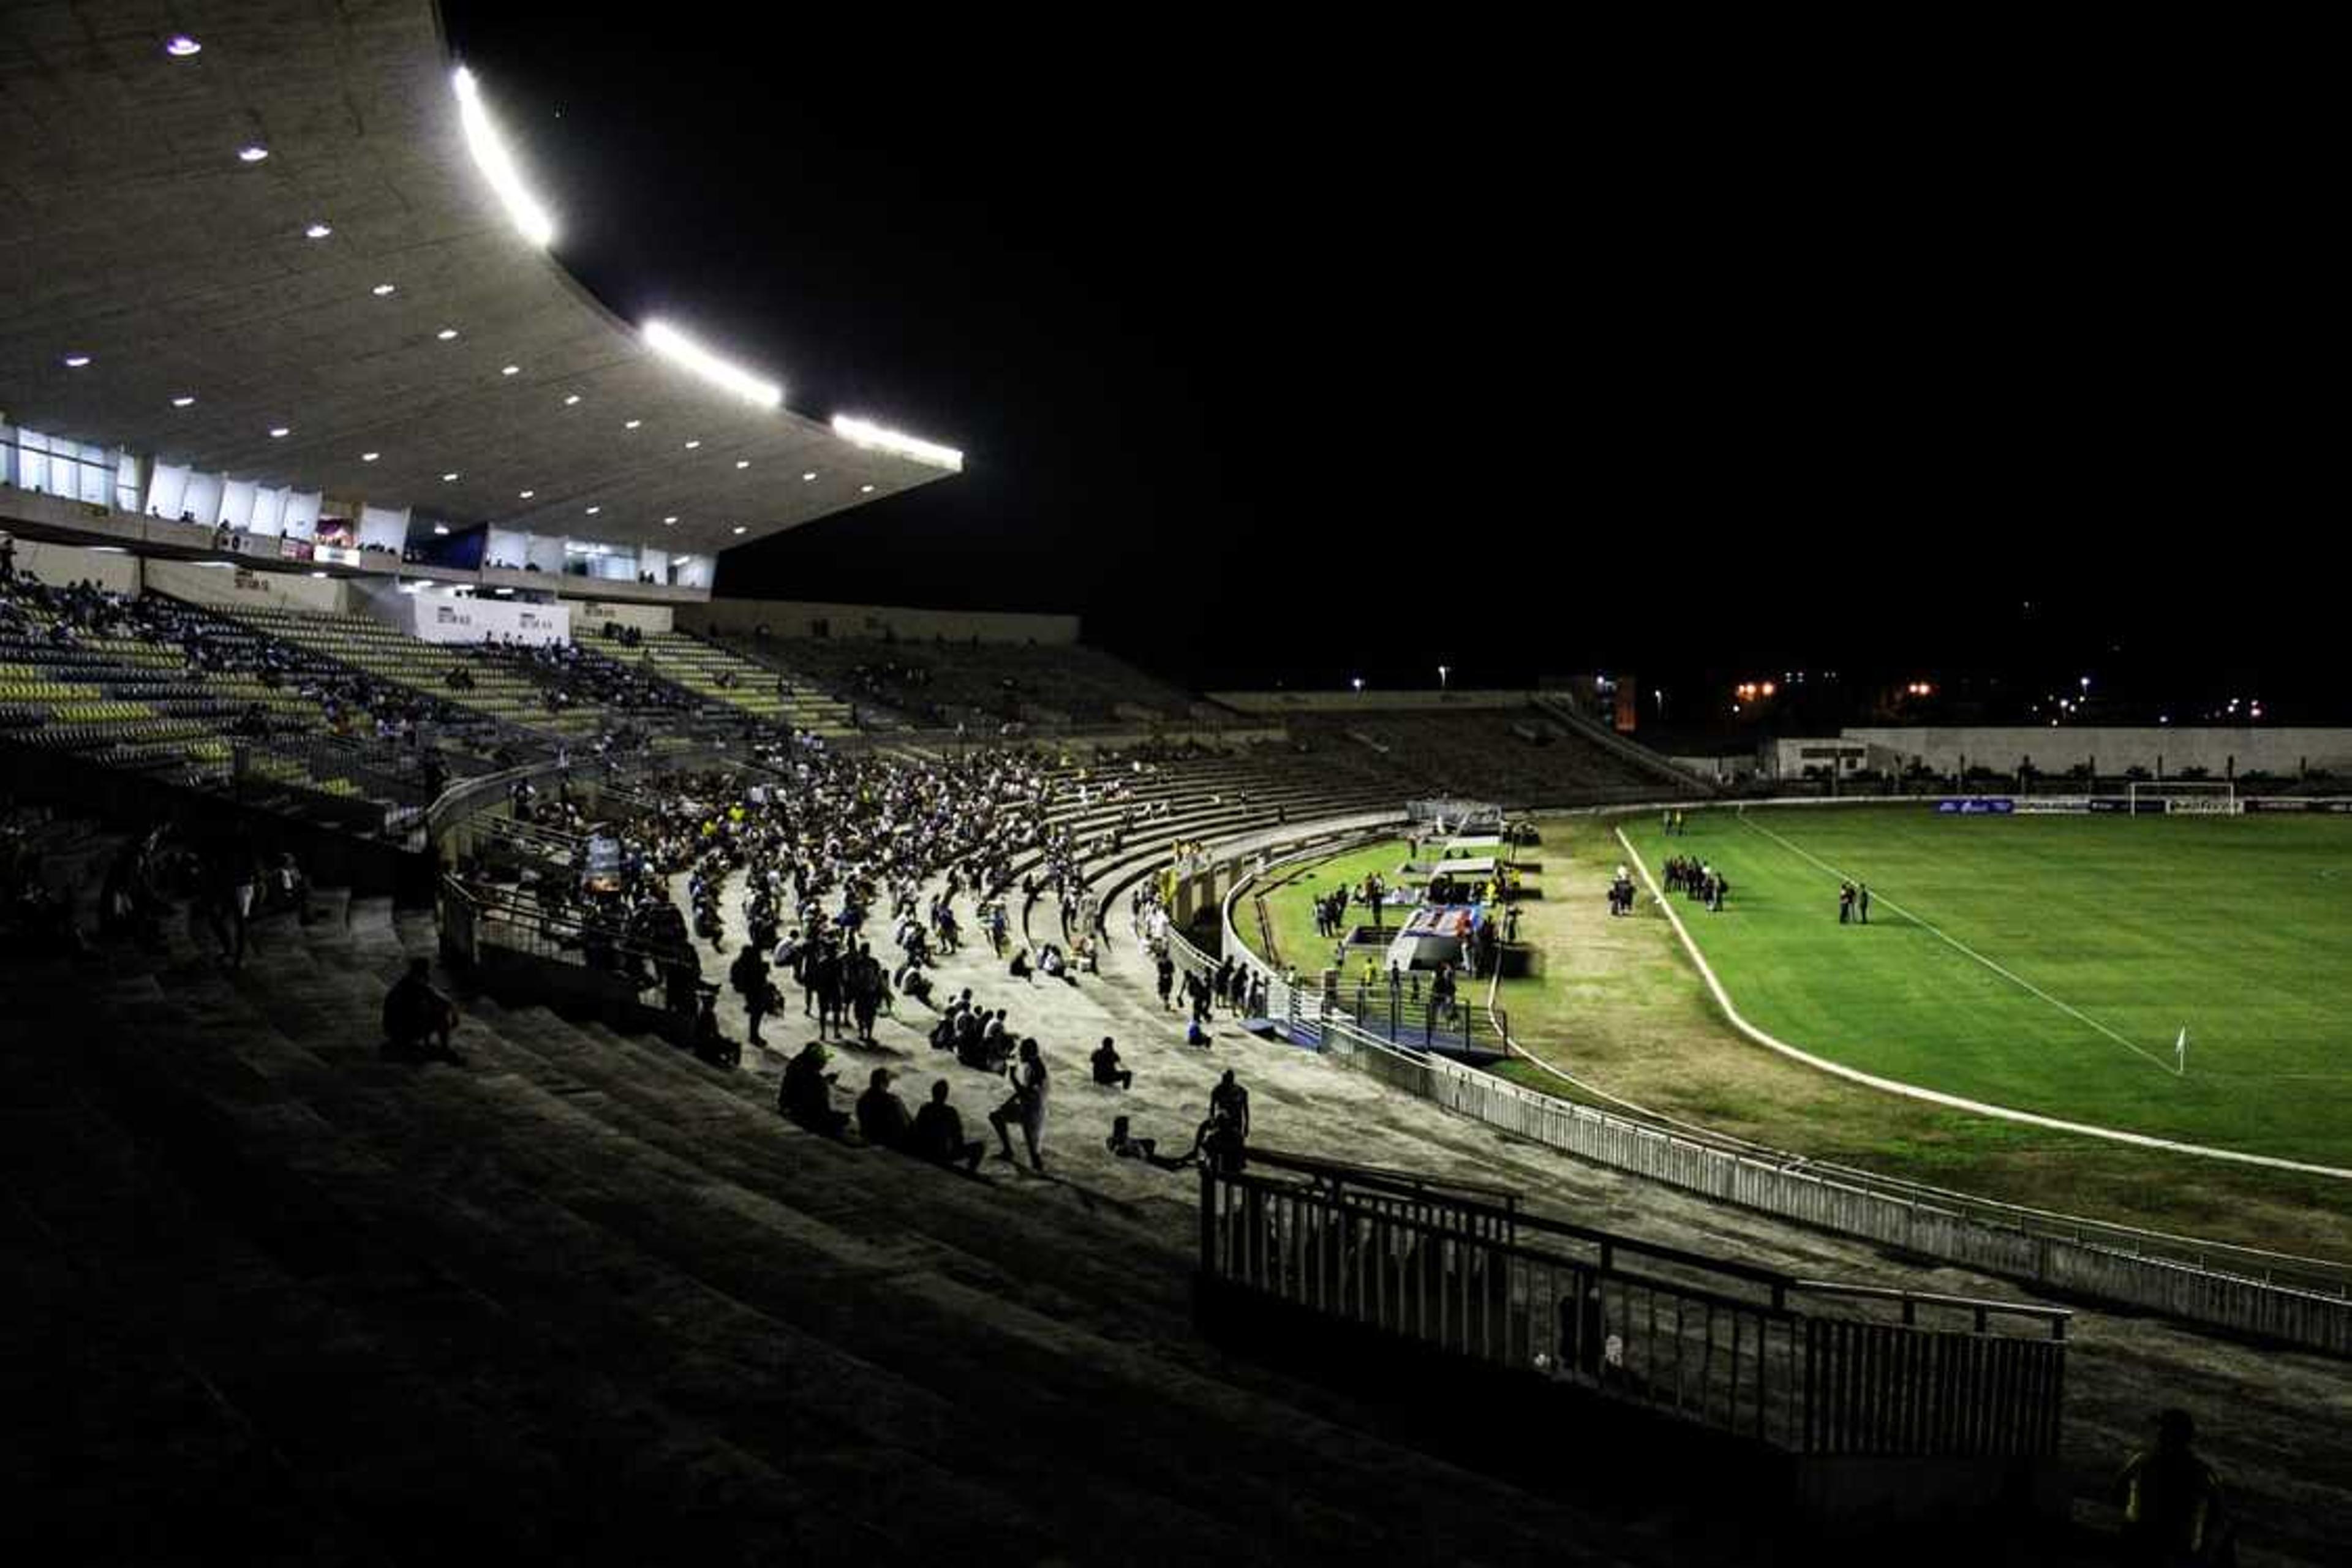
[584,1296]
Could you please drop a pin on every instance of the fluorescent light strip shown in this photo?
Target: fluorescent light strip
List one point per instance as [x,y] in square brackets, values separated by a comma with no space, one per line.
[865,433]
[675,346]
[498,164]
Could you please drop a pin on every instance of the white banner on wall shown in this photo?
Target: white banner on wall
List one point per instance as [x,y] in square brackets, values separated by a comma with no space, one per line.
[438,618]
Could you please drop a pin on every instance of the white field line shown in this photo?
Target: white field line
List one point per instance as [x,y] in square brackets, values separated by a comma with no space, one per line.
[1953,941]
[1935,1097]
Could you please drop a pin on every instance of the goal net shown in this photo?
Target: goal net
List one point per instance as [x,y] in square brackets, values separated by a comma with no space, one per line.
[2197,798]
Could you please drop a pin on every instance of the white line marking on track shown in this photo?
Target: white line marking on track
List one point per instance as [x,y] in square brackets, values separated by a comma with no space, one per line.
[1937,1097]
[2013,977]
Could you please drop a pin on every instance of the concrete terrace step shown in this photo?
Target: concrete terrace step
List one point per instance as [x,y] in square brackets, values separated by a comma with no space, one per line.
[518,1186]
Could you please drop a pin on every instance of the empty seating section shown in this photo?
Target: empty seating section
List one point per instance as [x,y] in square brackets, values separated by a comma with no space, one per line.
[983,685]
[503,694]
[722,676]
[1514,756]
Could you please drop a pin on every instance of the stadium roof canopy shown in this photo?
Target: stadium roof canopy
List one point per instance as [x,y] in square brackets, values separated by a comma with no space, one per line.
[140,232]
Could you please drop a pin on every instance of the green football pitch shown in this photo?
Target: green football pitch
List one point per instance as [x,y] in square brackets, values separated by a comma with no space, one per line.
[2048,963]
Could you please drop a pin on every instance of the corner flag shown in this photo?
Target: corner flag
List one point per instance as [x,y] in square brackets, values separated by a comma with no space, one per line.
[2180,1052]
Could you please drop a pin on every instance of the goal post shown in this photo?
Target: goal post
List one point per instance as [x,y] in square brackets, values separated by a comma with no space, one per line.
[2186,798]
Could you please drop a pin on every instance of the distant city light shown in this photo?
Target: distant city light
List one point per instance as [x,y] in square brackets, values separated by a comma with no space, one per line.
[685,351]
[498,165]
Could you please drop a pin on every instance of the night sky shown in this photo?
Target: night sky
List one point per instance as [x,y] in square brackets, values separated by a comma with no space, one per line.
[1287,357]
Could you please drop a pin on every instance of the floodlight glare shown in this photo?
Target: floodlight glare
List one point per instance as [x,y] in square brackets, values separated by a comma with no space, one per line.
[865,433]
[498,164]
[672,344]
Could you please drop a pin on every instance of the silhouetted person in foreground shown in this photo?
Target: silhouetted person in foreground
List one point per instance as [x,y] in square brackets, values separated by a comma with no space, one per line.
[939,1132]
[418,1019]
[882,1118]
[806,1095]
[2173,1514]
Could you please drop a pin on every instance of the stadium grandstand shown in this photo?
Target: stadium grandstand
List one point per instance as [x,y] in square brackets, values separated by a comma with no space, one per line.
[514,1052]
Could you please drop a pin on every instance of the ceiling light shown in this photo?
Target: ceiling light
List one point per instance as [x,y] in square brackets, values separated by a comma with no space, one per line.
[252,154]
[631,424]
[595,509]
[742,462]
[690,446]
[370,457]
[75,362]
[678,348]
[498,164]
[525,494]
[865,433]
[511,370]
[807,476]
[184,401]
[445,334]
[317,231]
[440,528]
[570,400]
[671,521]
[182,46]
[278,432]
[448,478]
[381,289]
[320,573]
[739,527]
[866,490]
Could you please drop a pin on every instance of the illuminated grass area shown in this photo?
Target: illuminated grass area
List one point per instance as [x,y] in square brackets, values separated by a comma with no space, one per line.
[1618,1004]
[2049,962]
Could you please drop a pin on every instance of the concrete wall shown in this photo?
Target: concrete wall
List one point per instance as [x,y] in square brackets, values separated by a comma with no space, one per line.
[2173,748]
[235,589]
[591,616]
[59,564]
[796,618]
[1367,703]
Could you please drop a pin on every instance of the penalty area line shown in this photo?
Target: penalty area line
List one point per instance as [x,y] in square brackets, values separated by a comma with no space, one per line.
[1959,946]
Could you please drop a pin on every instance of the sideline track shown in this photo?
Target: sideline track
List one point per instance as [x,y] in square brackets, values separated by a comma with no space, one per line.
[1937,1097]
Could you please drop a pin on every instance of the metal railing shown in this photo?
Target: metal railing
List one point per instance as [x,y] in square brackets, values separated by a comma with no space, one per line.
[1710,1341]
